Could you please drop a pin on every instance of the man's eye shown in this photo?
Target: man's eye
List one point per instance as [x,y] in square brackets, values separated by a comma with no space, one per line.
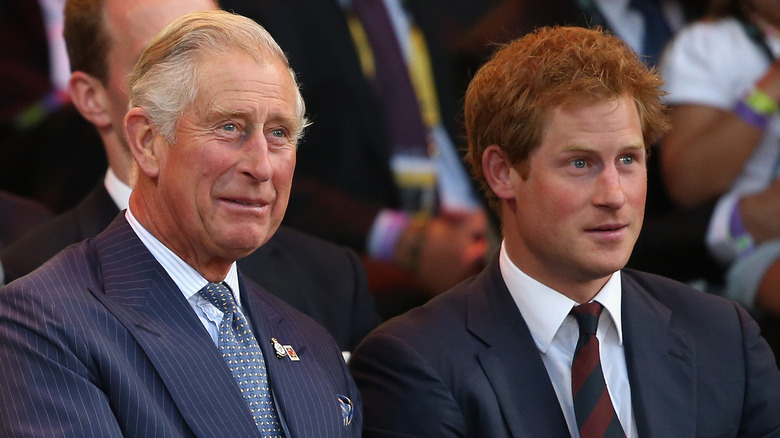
[229,127]
[628,159]
[279,133]
[579,163]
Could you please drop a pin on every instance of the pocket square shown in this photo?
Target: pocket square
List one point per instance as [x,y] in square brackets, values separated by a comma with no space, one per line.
[347,410]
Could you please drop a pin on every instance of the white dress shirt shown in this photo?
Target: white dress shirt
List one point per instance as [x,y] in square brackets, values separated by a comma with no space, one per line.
[119,191]
[190,282]
[555,332]
[187,278]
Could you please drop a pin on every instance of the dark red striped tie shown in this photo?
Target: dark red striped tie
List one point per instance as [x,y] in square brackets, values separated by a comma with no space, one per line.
[593,408]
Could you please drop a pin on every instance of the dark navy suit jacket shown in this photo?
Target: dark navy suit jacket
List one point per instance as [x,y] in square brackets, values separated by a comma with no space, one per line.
[18,216]
[465,365]
[100,342]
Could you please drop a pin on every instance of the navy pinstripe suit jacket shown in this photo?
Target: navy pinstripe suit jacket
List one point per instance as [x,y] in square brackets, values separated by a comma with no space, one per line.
[100,342]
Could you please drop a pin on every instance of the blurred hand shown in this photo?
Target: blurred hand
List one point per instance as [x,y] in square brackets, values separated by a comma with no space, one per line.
[708,147]
[452,247]
[768,297]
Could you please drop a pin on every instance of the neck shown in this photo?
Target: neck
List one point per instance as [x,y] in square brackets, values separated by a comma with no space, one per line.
[118,156]
[578,288]
[151,216]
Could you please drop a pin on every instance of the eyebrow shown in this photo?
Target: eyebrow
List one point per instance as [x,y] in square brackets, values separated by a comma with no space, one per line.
[215,113]
[582,148]
[635,146]
[293,123]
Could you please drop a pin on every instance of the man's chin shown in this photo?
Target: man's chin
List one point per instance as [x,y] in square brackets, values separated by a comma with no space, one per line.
[607,268]
[237,247]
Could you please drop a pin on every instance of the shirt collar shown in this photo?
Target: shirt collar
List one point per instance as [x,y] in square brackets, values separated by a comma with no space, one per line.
[185,276]
[118,190]
[544,309]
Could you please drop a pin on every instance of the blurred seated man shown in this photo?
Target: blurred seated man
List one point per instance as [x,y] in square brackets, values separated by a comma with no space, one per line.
[105,38]
[149,329]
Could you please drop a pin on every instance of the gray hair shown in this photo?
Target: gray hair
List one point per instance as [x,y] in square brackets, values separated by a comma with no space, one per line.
[164,80]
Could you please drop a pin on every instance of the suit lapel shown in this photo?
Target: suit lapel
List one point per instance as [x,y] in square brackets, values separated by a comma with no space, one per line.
[660,366]
[512,362]
[138,292]
[658,358]
[297,385]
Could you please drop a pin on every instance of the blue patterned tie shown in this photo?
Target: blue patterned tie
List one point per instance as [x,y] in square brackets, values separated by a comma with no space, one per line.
[596,417]
[244,358]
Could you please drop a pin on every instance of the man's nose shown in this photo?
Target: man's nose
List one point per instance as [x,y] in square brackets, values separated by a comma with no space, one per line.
[255,161]
[609,191]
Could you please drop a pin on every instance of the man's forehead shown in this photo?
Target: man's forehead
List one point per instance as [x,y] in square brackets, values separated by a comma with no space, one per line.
[223,91]
[232,74]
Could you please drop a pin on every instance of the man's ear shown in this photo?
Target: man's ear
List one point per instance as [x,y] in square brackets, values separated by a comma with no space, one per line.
[142,139]
[90,97]
[499,172]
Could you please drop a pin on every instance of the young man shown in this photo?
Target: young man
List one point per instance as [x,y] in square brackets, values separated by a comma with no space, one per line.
[554,338]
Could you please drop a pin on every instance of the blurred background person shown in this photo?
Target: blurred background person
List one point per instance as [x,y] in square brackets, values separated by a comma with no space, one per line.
[723,80]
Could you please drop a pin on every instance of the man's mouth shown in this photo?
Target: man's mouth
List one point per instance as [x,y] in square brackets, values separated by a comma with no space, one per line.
[255,203]
[607,228]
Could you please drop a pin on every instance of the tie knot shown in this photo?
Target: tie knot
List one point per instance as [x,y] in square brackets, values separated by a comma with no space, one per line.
[588,316]
[220,296]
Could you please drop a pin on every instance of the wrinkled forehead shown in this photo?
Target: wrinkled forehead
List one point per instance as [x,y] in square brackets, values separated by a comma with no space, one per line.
[237,85]
[211,67]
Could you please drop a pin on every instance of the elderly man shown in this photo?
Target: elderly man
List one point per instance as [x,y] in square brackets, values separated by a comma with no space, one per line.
[148,329]
[105,39]
[554,338]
